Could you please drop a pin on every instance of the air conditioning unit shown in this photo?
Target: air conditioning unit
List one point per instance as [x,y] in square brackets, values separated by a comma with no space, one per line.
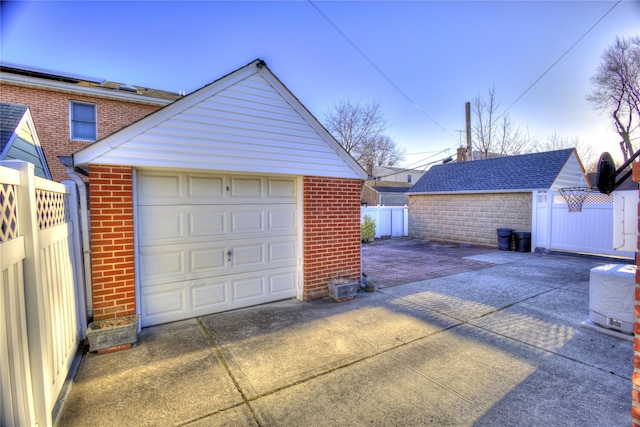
[612,296]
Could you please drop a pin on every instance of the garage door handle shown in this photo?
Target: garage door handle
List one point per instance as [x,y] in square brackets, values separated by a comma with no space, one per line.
[229,253]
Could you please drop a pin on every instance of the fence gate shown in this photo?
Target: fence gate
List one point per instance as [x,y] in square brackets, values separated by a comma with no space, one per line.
[42,318]
[590,230]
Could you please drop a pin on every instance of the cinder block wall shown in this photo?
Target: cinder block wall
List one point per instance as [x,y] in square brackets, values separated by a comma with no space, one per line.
[331,232]
[50,112]
[635,378]
[112,250]
[468,218]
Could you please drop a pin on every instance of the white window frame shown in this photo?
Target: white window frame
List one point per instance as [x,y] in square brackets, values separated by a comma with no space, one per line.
[71,121]
[409,178]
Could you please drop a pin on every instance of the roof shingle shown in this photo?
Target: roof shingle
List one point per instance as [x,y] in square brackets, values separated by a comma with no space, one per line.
[523,172]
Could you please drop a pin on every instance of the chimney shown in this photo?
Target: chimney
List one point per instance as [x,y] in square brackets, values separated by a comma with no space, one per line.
[461,155]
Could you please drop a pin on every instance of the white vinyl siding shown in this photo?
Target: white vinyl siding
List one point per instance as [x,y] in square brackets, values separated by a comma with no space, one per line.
[249,124]
[83,121]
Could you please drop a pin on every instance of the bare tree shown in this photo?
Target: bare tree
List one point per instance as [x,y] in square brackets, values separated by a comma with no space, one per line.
[360,128]
[494,134]
[587,155]
[617,89]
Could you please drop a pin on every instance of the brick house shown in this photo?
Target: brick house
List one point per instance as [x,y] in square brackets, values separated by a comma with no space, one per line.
[232,196]
[465,202]
[72,111]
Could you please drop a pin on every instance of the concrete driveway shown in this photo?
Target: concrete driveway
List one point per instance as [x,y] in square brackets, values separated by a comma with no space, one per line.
[499,344]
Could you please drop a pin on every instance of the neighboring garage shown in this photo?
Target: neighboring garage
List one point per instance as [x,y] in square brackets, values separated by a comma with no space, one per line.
[230,197]
[466,202]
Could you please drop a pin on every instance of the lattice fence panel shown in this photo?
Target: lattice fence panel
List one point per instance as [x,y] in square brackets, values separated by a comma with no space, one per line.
[53,208]
[9,213]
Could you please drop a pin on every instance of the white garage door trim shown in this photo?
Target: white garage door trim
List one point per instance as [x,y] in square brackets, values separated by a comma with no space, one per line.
[212,242]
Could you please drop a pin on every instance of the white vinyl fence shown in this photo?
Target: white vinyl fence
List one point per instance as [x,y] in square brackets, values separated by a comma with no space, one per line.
[390,221]
[589,231]
[42,318]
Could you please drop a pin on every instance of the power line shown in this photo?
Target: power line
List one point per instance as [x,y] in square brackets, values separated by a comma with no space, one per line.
[396,87]
[562,56]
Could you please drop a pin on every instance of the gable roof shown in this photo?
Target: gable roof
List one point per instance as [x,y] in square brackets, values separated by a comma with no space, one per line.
[10,117]
[527,172]
[18,138]
[246,121]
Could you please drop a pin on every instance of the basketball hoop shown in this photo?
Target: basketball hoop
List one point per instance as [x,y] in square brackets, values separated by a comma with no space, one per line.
[575,197]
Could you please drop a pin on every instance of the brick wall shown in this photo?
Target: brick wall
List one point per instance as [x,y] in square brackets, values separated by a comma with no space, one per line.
[331,232]
[635,378]
[50,111]
[468,218]
[112,250]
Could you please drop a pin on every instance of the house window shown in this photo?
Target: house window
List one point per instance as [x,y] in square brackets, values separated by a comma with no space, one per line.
[409,178]
[83,121]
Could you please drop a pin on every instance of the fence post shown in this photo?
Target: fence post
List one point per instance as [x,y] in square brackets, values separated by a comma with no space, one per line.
[35,292]
[551,195]
[405,221]
[16,394]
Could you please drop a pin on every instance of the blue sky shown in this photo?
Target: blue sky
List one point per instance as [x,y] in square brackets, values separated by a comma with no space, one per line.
[420,60]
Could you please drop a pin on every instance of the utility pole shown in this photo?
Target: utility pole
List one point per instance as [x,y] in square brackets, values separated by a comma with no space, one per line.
[467,112]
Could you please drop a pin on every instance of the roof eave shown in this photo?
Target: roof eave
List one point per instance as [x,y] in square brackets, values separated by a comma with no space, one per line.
[514,190]
[84,90]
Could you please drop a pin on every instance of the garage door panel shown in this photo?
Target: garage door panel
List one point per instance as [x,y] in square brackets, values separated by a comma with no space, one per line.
[166,299]
[209,293]
[207,221]
[249,187]
[282,251]
[207,260]
[247,255]
[281,218]
[282,284]
[247,220]
[248,289]
[157,225]
[154,188]
[205,188]
[162,264]
[282,189]
[211,243]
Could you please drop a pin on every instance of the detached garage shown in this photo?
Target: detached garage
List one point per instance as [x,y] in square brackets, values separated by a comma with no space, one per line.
[231,196]
[465,202]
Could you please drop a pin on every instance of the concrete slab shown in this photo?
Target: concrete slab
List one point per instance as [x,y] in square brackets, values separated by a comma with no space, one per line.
[467,296]
[501,257]
[300,340]
[376,391]
[238,416]
[159,381]
[517,384]
[552,322]
[497,345]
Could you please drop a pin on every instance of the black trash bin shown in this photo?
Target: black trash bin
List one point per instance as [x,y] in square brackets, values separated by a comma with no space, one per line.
[504,239]
[523,241]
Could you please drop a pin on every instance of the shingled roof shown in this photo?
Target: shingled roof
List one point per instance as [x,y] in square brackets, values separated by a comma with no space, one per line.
[537,171]
[10,116]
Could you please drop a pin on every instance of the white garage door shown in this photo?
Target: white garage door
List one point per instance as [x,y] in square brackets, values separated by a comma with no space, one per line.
[210,243]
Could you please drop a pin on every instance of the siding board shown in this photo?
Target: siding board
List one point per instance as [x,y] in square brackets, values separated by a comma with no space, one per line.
[252,124]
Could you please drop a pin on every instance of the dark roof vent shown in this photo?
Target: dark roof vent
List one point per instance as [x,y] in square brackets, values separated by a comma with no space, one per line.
[128,88]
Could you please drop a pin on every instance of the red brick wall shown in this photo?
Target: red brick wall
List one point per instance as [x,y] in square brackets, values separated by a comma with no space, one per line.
[112,250]
[50,112]
[635,379]
[331,232]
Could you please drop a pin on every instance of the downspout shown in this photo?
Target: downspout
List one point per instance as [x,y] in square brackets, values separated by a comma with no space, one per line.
[67,161]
